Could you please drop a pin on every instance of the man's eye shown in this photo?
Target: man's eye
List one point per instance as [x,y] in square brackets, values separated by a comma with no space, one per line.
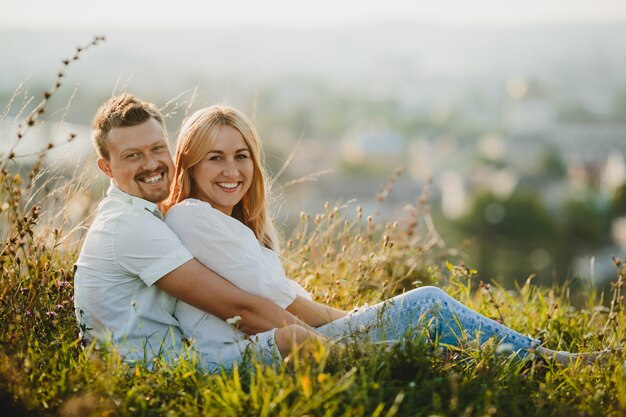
[132,155]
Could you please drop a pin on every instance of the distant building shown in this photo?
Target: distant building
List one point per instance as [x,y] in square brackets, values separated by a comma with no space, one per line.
[379,146]
[530,109]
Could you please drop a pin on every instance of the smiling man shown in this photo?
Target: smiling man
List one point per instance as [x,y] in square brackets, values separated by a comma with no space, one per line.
[132,268]
[142,166]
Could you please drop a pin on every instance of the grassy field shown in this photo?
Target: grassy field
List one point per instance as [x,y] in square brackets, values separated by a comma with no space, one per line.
[344,257]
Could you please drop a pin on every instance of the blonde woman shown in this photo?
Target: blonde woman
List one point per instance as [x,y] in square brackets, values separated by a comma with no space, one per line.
[218,208]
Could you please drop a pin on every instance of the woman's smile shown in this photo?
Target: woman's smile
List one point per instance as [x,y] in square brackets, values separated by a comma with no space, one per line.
[228,187]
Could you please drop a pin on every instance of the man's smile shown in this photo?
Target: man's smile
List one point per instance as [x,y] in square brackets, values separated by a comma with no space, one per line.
[154,177]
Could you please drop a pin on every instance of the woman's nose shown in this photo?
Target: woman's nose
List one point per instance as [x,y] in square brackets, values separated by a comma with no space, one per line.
[231,170]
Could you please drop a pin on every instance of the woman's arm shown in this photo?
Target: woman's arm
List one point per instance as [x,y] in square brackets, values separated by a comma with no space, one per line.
[313,313]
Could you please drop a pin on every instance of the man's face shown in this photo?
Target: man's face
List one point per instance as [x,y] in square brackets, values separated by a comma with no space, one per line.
[139,162]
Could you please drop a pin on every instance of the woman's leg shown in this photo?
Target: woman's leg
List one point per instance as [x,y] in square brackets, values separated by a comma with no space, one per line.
[430,312]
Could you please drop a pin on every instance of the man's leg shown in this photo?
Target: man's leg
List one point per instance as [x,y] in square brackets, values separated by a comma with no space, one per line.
[269,347]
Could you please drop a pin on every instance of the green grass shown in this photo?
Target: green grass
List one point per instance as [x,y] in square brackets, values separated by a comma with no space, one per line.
[344,257]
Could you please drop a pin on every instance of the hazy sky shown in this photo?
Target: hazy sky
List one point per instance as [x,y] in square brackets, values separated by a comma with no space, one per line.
[140,14]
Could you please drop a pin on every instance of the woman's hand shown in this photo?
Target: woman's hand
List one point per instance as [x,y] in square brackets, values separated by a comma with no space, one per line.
[313,313]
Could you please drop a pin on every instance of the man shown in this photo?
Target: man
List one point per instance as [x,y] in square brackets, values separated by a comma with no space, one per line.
[132,267]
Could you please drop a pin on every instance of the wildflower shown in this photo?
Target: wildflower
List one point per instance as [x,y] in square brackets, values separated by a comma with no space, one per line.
[51,313]
[505,348]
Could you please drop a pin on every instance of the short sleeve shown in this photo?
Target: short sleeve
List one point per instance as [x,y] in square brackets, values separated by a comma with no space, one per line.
[145,246]
[299,289]
[230,249]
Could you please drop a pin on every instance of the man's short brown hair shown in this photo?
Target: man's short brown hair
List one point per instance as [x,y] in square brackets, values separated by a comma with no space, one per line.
[124,110]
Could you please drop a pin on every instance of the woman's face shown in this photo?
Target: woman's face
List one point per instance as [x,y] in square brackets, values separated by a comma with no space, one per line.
[225,174]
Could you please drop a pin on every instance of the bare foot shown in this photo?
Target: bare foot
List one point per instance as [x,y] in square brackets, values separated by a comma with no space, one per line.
[567,358]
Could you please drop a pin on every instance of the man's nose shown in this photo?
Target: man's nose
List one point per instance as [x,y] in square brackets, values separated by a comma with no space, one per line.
[150,162]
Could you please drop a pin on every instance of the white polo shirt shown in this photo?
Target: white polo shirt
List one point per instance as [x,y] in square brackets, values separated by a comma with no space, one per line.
[127,249]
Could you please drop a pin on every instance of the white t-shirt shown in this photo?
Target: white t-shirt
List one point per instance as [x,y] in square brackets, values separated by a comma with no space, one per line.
[229,248]
[127,249]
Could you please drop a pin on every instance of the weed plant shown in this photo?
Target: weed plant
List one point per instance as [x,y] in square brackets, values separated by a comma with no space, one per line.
[345,258]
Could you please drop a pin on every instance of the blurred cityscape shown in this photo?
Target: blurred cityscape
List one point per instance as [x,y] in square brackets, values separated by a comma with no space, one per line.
[522,130]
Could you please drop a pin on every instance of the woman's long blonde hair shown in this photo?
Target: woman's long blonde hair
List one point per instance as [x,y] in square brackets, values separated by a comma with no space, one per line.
[195,140]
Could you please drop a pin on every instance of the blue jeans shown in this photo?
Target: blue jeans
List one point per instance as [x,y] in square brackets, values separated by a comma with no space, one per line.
[425,311]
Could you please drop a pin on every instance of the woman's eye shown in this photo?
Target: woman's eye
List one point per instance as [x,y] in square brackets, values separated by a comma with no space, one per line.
[242,156]
[158,148]
[215,158]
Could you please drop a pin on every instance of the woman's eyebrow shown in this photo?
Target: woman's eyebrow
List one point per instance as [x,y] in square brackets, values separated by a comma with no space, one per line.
[222,152]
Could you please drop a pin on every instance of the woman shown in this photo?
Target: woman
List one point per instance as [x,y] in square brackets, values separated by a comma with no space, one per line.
[218,207]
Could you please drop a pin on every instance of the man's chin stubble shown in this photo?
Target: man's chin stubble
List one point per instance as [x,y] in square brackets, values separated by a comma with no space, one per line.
[156,197]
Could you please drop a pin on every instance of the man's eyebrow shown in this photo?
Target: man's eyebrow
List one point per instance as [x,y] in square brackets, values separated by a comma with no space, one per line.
[153,144]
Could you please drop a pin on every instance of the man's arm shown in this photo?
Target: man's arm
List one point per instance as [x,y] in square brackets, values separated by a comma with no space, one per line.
[197,285]
[313,313]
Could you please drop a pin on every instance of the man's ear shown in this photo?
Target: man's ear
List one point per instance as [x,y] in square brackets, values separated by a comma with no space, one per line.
[105,166]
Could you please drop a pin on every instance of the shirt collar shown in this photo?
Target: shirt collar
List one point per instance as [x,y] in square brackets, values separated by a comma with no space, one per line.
[136,202]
